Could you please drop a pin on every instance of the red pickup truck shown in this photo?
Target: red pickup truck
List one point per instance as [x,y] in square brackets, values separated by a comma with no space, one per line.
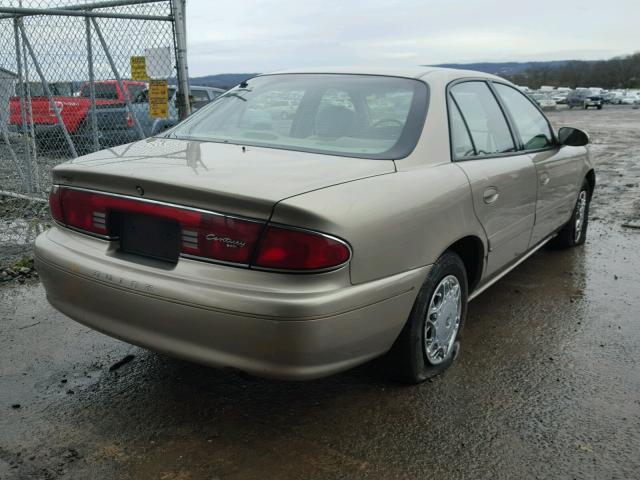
[74,110]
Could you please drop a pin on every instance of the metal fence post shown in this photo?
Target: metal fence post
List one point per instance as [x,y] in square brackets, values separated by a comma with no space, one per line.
[33,153]
[92,88]
[5,137]
[45,86]
[23,113]
[118,78]
[184,105]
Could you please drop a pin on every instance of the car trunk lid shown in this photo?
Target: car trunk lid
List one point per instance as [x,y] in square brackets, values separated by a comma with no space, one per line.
[243,181]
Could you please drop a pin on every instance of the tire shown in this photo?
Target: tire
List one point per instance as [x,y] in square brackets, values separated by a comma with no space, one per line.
[599,107]
[82,139]
[571,234]
[570,107]
[417,354]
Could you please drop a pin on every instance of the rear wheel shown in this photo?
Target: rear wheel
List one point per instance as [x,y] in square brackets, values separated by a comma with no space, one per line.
[575,231]
[429,341]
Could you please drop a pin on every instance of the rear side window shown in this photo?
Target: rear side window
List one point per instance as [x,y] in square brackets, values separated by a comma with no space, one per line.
[487,124]
[530,123]
[104,91]
[460,139]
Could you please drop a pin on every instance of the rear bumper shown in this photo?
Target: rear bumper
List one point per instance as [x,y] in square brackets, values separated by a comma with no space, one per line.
[261,323]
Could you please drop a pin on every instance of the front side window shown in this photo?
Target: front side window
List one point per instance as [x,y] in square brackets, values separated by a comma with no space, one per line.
[487,124]
[529,122]
[364,116]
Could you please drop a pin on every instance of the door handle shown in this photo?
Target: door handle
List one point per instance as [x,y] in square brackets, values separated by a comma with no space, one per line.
[544,178]
[490,195]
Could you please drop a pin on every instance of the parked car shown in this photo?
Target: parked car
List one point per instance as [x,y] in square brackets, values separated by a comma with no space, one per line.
[117,127]
[629,99]
[544,101]
[74,110]
[584,98]
[296,248]
[560,97]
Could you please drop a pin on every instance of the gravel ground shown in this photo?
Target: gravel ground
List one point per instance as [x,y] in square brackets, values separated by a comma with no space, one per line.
[547,385]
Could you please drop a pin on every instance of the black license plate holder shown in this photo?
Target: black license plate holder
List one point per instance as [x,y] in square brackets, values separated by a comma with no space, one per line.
[149,236]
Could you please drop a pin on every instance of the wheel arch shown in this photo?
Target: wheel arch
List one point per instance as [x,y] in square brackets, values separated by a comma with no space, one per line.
[471,250]
[590,177]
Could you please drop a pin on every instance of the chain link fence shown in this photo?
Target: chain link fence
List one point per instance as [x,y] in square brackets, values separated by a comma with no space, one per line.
[76,78]
[66,81]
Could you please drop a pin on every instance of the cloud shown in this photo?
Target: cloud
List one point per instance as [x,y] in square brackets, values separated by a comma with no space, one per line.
[263,35]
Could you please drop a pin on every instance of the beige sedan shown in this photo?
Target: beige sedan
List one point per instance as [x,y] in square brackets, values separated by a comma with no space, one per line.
[297,245]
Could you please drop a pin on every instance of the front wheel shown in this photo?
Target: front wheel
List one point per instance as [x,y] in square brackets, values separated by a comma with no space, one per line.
[574,233]
[429,341]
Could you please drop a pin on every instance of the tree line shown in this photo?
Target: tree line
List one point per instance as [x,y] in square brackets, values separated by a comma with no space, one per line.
[617,72]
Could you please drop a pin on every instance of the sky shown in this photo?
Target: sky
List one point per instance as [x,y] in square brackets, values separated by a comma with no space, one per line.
[267,35]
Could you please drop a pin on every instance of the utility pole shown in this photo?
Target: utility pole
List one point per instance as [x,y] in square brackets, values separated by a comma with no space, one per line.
[180,26]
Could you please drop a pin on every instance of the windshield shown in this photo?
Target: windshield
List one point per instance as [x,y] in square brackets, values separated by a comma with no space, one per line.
[351,115]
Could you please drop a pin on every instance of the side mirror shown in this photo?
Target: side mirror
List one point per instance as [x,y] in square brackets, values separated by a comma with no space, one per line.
[573,137]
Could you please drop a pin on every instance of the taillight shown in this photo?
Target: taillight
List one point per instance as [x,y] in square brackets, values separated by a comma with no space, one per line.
[205,235]
[55,206]
[299,250]
[129,120]
[220,237]
[84,210]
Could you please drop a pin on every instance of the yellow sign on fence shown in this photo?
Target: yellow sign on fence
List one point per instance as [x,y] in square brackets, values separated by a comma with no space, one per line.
[158,99]
[139,69]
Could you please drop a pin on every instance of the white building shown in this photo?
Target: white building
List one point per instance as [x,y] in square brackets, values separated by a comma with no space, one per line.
[8,82]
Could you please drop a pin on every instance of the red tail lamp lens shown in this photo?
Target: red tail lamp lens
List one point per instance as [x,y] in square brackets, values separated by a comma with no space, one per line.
[220,238]
[286,249]
[83,210]
[206,235]
[55,206]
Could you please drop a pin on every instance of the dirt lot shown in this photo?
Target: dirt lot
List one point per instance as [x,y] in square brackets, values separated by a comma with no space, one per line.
[547,385]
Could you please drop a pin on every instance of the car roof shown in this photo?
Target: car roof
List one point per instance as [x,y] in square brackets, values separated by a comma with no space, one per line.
[426,72]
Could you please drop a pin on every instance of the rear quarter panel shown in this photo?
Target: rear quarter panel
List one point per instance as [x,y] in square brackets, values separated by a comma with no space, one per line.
[395,222]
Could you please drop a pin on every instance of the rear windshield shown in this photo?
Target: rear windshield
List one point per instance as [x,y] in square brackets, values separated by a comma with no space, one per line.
[362,116]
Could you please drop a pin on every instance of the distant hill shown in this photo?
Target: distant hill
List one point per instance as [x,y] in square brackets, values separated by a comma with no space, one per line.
[506,69]
[222,80]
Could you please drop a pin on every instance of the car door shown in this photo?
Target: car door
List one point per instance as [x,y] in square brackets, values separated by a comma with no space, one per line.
[503,180]
[558,169]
